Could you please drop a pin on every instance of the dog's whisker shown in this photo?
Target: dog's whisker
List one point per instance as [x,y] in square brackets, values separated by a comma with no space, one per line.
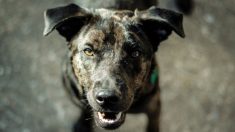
[88,119]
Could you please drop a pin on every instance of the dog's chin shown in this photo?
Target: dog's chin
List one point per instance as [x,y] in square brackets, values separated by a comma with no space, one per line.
[109,120]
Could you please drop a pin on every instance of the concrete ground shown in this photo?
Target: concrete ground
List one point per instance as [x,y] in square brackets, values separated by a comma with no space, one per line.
[197,73]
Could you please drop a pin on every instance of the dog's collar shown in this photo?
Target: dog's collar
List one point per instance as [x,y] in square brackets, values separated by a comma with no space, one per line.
[154,77]
[152,84]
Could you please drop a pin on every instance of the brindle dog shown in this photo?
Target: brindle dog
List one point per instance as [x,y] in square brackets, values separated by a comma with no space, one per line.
[111,61]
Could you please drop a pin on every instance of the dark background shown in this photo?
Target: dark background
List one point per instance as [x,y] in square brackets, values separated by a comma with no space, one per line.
[197,73]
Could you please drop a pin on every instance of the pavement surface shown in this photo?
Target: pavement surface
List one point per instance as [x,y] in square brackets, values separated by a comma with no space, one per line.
[197,73]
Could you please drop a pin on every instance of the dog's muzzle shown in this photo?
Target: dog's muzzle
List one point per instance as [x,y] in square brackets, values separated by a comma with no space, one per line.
[109,117]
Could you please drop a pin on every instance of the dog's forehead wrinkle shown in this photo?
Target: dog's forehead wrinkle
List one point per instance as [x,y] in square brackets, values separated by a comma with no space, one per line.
[107,32]
[96,36]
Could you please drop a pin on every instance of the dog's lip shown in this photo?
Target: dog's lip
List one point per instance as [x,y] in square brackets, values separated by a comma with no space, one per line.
[109,120]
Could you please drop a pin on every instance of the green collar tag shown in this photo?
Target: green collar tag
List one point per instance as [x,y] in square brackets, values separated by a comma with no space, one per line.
[154,77]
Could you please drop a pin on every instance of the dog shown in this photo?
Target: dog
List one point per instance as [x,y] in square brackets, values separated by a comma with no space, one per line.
[111,69]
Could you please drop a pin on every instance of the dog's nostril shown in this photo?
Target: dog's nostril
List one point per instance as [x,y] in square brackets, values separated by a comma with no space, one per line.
[106,97]
[100,100]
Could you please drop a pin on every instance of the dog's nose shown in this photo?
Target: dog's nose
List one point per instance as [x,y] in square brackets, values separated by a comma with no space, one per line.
[107,97]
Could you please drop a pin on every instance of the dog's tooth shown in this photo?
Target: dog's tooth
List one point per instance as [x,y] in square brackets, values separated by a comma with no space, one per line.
[118,116]
[103,114]
[99,115]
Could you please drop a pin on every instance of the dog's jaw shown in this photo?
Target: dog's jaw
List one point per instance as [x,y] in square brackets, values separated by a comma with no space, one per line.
[106,117]
[109,120]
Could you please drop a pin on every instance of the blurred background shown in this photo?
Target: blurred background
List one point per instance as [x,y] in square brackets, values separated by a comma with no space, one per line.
[197,73]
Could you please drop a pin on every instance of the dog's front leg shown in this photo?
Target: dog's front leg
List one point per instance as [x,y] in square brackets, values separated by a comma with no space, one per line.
[84,123]
[153,114]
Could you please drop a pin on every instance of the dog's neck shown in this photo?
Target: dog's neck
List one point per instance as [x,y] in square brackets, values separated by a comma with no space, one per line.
[152,79]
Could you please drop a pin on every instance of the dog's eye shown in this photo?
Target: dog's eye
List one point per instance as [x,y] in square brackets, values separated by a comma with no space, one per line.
[135,54]
[88,52]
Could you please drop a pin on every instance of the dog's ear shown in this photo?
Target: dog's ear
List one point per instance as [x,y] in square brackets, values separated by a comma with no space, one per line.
[159,23]
[67,20]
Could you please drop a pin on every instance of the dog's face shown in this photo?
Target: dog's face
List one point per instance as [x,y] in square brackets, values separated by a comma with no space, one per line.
[111,53]
[111,63]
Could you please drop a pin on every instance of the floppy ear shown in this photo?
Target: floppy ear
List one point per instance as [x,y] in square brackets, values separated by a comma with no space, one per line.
[159,23]
[67,20]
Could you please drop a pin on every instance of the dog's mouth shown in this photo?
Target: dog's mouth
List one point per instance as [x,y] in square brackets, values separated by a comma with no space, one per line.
[109,120]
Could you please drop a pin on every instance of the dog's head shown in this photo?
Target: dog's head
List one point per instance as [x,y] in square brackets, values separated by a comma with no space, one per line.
[111,53]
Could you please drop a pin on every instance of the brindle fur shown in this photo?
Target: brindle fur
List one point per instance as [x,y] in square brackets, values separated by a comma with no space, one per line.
[113,35]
